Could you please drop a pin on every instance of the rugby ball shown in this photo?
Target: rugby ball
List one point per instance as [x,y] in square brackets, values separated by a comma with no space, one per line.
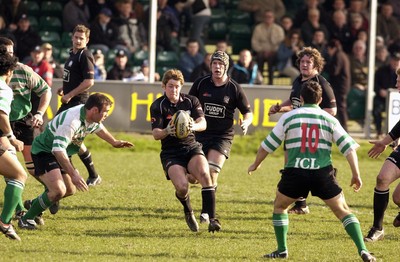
[181,120]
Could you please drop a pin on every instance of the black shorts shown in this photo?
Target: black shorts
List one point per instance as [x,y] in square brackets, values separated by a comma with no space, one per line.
[394,157]
[222,145]
[179,157]
[23,130]
[296,183]
[45,162]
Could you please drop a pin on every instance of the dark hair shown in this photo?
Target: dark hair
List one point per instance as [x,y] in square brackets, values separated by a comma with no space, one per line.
[4,41]
[7,61]
[97,100]
[311,92]
[319,61]
[82,29]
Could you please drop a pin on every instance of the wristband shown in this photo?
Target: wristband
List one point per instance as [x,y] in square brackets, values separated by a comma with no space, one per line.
[10,136]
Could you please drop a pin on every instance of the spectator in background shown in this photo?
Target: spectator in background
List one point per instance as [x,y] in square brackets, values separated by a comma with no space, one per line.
[387,25]
[358,7]
[40,65]
[95,7]
[121,69]
[4,31]
[100,72]
[143,73]
[12,10]
[287,24]
[128,26]
[385,78]
[265,41]
[302,14]
[190,58]
[75,12]
[381,56]
[104,32]
[201,16]
[258,8]
[355,26]
[319,42]
[287,55]
[223,45]
[311,24]
[48,56]
[245,71]
[203,69]
[338,70]
[27,38]
[340,30]
[168,27]
[396,8]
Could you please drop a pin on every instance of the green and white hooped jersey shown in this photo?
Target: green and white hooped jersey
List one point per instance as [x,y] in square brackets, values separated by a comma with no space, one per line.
[65,132]
[6,97]
[23,82]
[308,133]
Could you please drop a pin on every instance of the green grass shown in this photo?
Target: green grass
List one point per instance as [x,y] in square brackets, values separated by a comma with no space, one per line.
[133,215]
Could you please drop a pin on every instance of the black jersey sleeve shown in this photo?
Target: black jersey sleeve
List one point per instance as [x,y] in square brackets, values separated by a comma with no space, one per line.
[395,132]
[328,97]
[157,120]
[87,64]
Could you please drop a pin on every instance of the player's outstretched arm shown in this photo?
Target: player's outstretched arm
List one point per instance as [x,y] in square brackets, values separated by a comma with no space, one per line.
[106,136]
[379,146]
[352,159]
[261,155]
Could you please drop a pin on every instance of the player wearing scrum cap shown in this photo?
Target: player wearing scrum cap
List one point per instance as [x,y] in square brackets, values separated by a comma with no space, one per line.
[181,156]
[219,96]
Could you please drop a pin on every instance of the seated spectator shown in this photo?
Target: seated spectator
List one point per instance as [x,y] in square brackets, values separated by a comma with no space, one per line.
[340,30]
[100,72]
[75,12]
[40,65]
[265,41]
[245,71]
[287,24]
[310,25]
[144,72]
[355,26]
[302,13]
[387,25]
[26,39]
[258,8]
[128,26]
[381,56]
[121,69]
[95,7]
[190,58]
[203,69]
[287,55]
[4,31]
[12,11]
[104,34]
[48,56]
[168,27]
[319,42]
[359,7]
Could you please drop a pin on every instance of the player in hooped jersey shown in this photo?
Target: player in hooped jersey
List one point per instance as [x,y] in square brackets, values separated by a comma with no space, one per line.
[308,133]
[310,63]
[182,156]
[219,96]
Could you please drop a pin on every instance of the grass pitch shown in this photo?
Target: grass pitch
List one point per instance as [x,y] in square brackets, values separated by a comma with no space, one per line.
[134,216]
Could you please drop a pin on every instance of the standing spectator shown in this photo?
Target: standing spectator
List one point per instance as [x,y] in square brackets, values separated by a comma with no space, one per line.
[310,63]
[100,72]
[340,30]
[387,25]
[265,41]
[40,65]
[310,25]
[105,33]
[52,150]
[77,79]
[287,54]
[27,38]
[203,69]
[121,69]
[311,123]
[48,56]
[190,58]
[12,10]
[338,70]
[245,71]
[220,96]
[129,27]
[387,175]
[200,19]
[182,156]
[385,78]
[258,8]
[75,12]
[10,167]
